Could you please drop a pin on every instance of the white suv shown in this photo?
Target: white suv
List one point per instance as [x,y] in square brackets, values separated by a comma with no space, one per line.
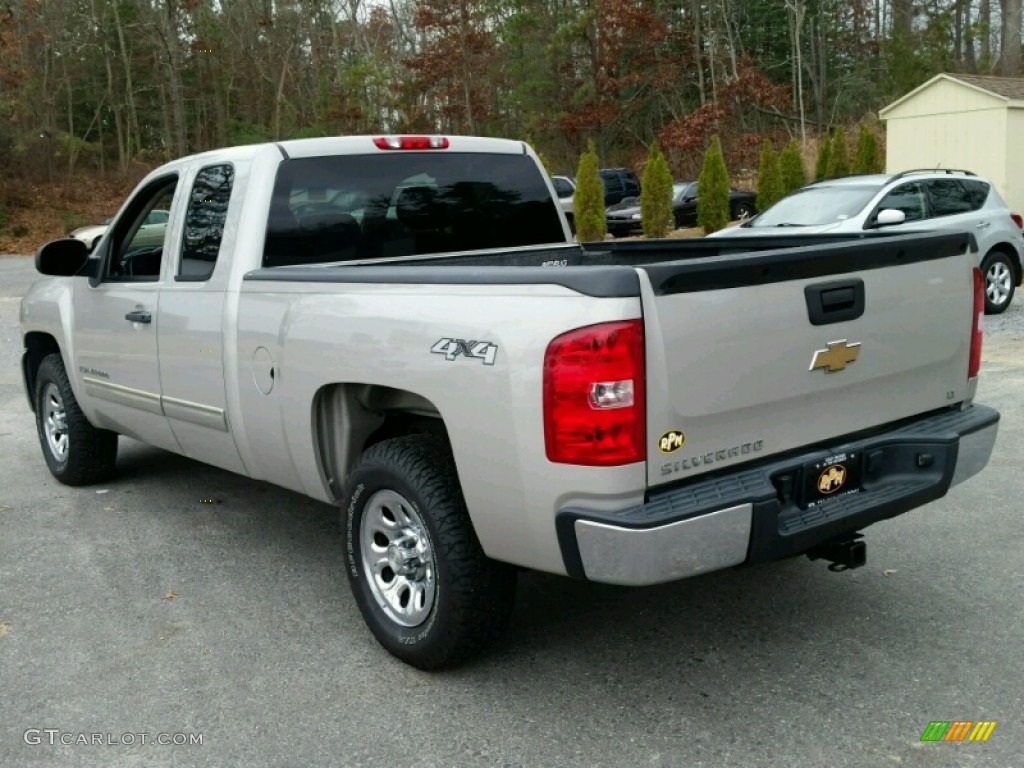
[907,201]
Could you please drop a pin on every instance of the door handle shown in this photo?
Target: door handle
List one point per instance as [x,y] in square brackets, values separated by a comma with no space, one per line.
[982,224]
[139,316]
[834,302]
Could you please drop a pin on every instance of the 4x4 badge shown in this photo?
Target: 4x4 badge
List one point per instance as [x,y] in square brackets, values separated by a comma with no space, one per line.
[836,357]
[453,348]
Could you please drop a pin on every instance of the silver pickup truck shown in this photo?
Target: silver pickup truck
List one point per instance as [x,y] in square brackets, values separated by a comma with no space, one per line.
[402,326]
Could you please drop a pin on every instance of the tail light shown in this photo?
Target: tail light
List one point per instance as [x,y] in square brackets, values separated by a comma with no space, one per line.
[1018,220]
[411,142]
[979,313]
[594,411]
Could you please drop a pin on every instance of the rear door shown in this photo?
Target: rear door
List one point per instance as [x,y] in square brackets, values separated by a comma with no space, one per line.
[958,208]
[192,326]
[756,354]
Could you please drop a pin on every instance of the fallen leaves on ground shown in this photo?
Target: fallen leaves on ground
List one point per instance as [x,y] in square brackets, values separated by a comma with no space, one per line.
[5,628]
[170,595]
[41,212]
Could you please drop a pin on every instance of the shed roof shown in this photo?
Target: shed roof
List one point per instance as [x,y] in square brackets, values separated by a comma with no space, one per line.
[1009,90]
[1007,87]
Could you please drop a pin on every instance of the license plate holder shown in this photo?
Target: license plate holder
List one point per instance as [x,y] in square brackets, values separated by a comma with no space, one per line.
[830,478]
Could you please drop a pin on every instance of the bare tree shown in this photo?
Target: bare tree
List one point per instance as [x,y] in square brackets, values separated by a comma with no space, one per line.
[1009,53]
[797,10]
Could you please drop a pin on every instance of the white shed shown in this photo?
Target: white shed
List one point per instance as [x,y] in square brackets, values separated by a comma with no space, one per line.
[972,122]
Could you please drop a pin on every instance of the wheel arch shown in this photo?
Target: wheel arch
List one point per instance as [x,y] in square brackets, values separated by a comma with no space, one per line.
[350,417]
[1014,256]
[38,344]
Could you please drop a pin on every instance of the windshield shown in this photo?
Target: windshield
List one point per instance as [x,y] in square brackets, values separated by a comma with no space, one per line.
[816,206]
[680,189]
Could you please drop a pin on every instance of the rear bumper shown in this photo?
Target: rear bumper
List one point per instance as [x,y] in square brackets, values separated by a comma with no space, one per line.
[623,227]
[749,515]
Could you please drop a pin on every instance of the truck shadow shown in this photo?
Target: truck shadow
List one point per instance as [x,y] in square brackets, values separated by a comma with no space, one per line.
[779,620]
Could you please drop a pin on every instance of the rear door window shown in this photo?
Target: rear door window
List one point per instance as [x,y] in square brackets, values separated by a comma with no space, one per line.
[949,197]
[977,192]
[204,222]
[340,208]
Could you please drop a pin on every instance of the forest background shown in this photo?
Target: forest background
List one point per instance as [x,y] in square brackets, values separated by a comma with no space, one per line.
[94,93]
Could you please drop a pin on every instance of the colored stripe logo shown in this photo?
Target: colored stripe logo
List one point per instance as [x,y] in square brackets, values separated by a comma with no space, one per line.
[958,730]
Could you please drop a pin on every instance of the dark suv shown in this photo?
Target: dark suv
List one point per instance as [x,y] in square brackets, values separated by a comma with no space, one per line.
[619,183]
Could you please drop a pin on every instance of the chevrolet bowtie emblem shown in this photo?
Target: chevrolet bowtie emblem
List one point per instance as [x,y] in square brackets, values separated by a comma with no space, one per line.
[838,355]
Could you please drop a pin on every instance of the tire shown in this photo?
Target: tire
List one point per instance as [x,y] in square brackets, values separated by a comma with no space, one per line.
[743,211]
[76,452]
[1000,279]
[428,593]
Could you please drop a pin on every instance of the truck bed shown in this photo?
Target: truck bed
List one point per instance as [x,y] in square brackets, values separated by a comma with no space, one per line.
[675,266]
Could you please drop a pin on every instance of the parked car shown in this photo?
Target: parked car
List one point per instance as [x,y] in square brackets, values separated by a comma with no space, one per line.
[91,234]
[619,183]
[565,188]
[624,219]
[908,201]
[149,235]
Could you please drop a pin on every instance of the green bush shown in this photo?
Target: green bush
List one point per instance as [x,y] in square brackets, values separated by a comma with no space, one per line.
[868,159]
[656,195]
[713,182]
[791,161]
[839,155]
[769,177]
[588,199]
[824,155]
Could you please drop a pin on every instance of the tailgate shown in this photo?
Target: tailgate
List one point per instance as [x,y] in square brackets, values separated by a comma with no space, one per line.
[737,370]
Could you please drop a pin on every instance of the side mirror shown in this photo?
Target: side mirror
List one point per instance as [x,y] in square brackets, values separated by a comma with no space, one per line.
[889,216]
[62,258]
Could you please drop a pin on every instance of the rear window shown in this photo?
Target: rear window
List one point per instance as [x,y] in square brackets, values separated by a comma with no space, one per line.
[340,208]
[612,182]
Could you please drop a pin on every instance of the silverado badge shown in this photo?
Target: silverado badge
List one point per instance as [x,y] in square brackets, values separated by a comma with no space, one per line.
[836,357]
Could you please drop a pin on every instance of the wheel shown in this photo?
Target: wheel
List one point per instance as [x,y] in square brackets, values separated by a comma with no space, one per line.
[743,211]
[1000,281]
[417,571]
[75,451]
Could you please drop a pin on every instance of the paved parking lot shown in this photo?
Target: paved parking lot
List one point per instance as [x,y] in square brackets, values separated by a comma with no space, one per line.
[185,601]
